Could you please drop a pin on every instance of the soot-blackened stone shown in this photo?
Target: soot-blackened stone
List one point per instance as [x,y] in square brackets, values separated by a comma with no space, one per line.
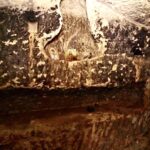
[49,23]
[31,16]
[140,42]
[3,15]
[136,51]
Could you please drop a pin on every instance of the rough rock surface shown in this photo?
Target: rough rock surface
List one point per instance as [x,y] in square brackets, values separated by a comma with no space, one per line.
[96,62]
[29,59]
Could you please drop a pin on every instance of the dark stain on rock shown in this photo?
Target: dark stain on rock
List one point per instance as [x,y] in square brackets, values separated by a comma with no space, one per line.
[53,8]
[31,16]
[14,56]
[49,22]
[140,42]
[126,38]
[3,16]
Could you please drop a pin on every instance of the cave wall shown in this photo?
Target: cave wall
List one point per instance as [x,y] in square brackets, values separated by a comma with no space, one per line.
[98,48]
[67,44]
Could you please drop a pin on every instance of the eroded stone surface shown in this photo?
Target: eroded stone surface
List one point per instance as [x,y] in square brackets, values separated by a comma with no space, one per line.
[73,59]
